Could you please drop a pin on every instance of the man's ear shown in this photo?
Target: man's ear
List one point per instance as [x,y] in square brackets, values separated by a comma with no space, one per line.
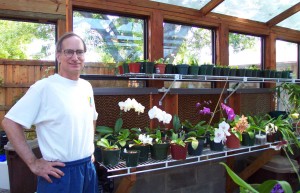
[58,55]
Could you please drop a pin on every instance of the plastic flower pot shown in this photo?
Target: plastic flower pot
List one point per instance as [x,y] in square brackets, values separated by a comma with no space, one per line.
[248,72]
[98,154]
[169,69]
[232,141]
[110,157]
[178,152]
[147,67]
[278,74]
[202,69]
[198,150]
[232,72]
[241,72]
[247,140]
[286,74]
[217,71]
[271,137]
[125,68]
[144,152]
[193,70]
[216,146]
[160,151]
[182,69]
[131,158]
[225,71]
[267,73]
[209,69]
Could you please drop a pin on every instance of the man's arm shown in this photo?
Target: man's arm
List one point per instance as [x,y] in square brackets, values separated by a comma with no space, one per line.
[40,167]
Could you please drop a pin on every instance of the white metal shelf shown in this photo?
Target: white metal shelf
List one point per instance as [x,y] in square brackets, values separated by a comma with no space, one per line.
[207,155]
[204,78]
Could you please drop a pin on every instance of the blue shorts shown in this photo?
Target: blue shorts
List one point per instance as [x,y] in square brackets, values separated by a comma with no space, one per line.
[80,177]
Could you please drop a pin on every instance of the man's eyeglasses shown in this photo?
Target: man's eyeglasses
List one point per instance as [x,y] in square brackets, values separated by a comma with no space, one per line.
[69,53]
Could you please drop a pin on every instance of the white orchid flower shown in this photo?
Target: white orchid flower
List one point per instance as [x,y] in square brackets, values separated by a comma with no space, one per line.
[271,128]
[162,116]
[145,139]
[153,112]
[131,104]
[225,127]
[219,135]
[168,119]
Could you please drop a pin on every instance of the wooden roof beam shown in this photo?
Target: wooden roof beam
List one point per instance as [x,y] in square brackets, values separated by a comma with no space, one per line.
[210,6]
[277,19]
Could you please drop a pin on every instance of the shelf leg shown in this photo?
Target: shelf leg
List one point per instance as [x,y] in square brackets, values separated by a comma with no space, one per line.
[230,185]
[126,184]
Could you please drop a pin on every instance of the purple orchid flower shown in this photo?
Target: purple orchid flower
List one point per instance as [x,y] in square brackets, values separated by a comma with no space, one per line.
[205,111]
[229,111]
[277,189]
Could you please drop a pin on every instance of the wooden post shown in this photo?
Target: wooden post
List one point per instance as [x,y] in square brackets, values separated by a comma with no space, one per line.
[126,184]
[251,169]
[229,183]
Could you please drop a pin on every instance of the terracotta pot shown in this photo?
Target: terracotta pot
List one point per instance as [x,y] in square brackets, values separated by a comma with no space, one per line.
[232,141]
[134,67]
[121,70]
[160,68]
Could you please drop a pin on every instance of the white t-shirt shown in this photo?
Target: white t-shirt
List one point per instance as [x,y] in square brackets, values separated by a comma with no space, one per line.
[63,111]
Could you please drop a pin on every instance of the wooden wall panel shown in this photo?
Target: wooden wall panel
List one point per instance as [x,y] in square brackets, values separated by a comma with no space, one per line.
[41,6]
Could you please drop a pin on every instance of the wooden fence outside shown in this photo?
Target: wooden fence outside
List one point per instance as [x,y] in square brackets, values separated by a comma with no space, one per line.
[16,76]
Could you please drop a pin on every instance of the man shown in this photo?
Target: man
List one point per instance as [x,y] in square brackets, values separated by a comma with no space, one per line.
[62,109]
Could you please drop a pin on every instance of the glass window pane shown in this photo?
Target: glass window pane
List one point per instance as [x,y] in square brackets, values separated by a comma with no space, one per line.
[256,10]
[110,38]
[27,40]
[286,57]
[245,52]
[292,22]
[194,4]
[183,43]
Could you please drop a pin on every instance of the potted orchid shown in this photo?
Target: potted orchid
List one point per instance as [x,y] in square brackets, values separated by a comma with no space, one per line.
[143,145]
[178,144]
[117,136]
[160,147]
[196,136]
[239,128]
[219,136]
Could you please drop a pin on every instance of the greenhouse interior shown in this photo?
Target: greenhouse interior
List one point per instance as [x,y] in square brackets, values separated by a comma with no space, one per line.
[149,96]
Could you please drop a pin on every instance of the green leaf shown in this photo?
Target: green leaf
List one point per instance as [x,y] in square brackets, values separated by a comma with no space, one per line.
[195,144]
[238,180]
[176,123]
[103,130]
[118,125]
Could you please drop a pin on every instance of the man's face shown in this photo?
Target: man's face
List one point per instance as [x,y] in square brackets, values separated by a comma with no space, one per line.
[71,58]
